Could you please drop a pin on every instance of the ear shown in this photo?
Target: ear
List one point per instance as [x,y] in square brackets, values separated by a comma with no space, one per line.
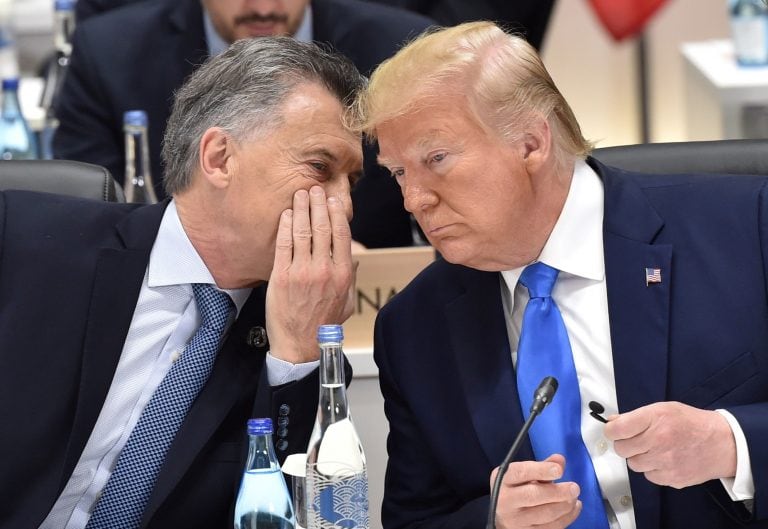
[537,145]
[217,157]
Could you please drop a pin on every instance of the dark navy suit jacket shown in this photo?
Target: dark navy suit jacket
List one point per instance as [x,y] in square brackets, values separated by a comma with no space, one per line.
[700,337]
[135,57]
[70,275]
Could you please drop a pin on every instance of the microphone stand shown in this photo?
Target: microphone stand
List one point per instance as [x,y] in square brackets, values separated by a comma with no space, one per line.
[543,396]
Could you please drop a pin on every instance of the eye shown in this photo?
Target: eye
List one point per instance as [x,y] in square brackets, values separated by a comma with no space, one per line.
[397,173]
[319,166]
[438,157]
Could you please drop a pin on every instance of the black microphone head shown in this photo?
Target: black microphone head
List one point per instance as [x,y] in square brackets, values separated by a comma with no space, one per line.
[544,394]
[596,407]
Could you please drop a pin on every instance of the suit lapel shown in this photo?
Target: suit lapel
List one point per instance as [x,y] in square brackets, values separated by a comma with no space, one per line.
[118,277]
[236,372]
[639,312]
[478,336]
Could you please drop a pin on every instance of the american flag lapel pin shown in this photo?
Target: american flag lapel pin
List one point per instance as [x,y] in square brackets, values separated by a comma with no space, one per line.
[652,275]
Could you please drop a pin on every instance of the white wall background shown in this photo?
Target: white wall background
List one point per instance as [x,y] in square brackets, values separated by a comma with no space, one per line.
[599,77]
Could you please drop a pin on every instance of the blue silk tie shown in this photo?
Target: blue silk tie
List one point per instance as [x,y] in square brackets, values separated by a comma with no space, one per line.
[125,496]
[544,350]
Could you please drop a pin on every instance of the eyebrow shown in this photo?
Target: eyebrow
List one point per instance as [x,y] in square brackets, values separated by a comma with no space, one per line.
[428,138]
[324,153]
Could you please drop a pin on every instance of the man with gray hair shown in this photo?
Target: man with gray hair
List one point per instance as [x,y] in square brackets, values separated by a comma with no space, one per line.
[170,325]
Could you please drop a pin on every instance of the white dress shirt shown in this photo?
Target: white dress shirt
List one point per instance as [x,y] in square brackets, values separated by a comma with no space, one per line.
[575,247]
[165,319]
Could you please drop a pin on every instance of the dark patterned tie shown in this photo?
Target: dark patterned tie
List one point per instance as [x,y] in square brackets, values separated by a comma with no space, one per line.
[125,496]
[544,350]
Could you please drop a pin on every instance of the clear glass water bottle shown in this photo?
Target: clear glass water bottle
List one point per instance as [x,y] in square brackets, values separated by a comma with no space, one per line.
[138,186]
[749,26]
[263,501]
[17,141]
[64,25]
[336,477]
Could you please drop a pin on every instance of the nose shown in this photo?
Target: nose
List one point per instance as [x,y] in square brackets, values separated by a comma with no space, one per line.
[417,196]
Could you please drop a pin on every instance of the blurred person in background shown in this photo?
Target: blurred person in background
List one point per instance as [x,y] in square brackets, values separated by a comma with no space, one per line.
[136,341]
[645,293]
[137,55]
[527,18]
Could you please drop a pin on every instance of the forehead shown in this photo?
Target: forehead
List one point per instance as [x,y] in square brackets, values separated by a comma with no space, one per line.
[312,118]
[425,126]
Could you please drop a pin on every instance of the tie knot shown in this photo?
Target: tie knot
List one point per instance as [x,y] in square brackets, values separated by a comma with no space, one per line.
[539,279]
[213,304]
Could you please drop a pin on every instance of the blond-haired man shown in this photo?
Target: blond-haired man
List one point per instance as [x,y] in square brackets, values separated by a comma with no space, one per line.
[622,285]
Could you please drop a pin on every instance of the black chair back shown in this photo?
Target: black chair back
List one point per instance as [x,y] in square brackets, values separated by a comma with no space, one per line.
[721,156]
[63,177]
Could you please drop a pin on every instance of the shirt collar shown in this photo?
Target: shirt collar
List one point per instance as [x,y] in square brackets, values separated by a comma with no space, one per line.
[217,45]
[174,260]
[575,245]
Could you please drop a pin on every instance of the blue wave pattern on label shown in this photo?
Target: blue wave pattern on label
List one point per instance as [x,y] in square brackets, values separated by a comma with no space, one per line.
[339,502]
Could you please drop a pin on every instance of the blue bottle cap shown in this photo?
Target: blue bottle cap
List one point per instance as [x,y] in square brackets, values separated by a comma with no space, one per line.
[135,117]
[64,5]
[12,83]
[330,334]
[259,426]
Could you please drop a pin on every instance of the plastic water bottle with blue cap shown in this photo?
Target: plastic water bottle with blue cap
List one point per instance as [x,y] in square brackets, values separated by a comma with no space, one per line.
[749,26]
[17,141]
[138,185]
[336,477]
[263,501]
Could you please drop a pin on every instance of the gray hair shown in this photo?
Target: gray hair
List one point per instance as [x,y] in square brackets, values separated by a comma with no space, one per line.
[240,91]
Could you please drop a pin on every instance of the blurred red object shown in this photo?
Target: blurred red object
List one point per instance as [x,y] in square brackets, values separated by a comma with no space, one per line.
[625,18]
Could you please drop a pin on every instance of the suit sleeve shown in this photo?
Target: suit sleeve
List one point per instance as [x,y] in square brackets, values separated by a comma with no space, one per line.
[88,131]
[416,493]
[753,418]
[293,408]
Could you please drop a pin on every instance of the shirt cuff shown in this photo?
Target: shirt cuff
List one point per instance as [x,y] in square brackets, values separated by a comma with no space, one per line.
[742,486]
[280,372]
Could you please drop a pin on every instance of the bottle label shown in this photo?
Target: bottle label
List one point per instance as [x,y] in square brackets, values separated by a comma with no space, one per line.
[337,501]
[750,39]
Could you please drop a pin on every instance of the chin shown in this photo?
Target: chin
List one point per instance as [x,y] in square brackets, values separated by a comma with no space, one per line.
[454,253]
[469,256]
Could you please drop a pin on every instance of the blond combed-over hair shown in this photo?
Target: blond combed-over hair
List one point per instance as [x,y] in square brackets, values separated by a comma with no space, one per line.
[501,76]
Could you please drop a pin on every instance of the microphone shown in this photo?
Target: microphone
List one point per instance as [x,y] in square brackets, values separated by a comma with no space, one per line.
[541,398]
[596,410]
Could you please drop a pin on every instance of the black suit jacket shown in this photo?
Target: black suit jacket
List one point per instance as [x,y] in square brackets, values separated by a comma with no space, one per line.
[700,337]
[70,275]
[136,56]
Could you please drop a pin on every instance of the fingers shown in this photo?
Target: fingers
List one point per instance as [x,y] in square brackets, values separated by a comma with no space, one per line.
[553,515]
[529,497]
[320,227]
[525,471]
[302,232]
[341,233]
[630,424]
[284,241]
[321,224]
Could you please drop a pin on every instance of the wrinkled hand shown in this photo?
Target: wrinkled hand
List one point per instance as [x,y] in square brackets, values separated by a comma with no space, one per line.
[528,498]
[674,444]
[313,277]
